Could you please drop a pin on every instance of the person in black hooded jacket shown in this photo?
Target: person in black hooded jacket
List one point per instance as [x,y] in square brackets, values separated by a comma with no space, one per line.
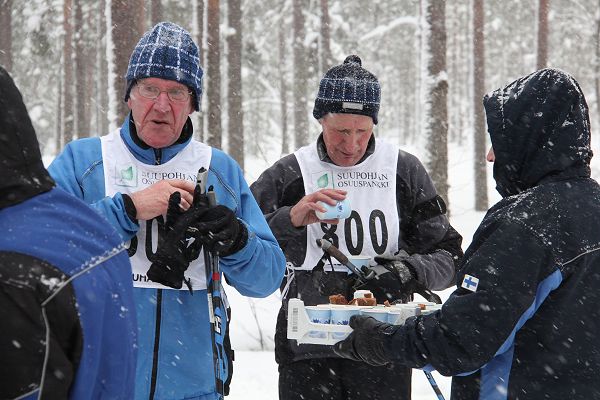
[524,320]
[66,303]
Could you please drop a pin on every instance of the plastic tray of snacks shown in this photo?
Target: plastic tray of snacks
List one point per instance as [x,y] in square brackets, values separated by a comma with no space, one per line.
[327,324]
[303,330]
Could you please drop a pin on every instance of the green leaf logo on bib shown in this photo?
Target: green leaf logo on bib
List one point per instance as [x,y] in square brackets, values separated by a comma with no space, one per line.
[127,174]
[323,181]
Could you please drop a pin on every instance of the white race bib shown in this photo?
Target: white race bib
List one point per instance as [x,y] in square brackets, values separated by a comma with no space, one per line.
[373,226]
[124,174]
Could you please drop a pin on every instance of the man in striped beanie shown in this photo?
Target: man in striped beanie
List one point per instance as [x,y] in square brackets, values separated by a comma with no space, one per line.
[142,178]
[397,220]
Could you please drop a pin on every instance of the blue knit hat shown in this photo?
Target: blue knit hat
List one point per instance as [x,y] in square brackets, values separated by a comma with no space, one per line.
[167,51]
[348,88]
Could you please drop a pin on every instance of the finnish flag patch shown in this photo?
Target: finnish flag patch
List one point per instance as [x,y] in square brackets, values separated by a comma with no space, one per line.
[470,283]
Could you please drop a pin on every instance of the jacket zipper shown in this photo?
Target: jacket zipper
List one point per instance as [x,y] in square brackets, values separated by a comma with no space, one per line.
[153,378]
[157,156]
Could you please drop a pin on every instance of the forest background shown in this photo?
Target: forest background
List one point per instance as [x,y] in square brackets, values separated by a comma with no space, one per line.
[263,60]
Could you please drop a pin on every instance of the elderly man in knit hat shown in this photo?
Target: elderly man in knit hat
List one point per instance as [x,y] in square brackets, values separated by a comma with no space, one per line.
[141,178]
[397,219]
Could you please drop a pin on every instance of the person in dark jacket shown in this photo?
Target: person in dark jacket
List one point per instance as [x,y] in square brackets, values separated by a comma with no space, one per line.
[396,216]
[524,320]
[68,318]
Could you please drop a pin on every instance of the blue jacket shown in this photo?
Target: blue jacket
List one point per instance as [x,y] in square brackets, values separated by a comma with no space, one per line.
[66,305]
[49,233]
[175,349]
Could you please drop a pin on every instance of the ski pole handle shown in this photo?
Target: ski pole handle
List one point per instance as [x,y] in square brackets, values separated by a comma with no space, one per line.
[328,247]
[201,179]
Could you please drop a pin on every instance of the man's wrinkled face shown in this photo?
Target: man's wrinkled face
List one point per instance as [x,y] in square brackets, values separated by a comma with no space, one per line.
[159,121]
[346,137]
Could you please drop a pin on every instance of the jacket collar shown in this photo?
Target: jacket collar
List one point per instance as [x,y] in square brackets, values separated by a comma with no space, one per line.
[149,155]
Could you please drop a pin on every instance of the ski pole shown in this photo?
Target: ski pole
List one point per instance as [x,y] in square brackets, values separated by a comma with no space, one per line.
[434,385]
[330,249]
[213,289]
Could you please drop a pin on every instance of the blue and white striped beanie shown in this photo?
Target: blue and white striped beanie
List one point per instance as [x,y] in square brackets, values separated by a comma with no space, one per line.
[167,51]
[348,88]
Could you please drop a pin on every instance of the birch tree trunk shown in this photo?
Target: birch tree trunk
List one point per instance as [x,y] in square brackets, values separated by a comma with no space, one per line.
[300,78]
[125,33]
[542,33]
[6,34]
[435,84]
[213,74]
[67,131]
[283,86]
[156,11]
[199,25]
[479,129]
[234,82]
[326,61]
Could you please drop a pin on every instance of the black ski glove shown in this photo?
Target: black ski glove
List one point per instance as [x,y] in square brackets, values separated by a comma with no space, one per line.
[394,280]
[177,247]
[366,341]
[220,230]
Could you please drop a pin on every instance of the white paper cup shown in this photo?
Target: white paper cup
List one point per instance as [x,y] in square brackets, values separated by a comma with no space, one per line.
[359,261]
[360,294]
[379,313]
[395,316]
[318,315]
[341,316]
[340,210]
[402,312]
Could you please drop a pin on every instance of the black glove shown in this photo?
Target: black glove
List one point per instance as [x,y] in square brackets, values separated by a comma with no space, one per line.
[219,229]
[177,247]
[394,280]
[366,341]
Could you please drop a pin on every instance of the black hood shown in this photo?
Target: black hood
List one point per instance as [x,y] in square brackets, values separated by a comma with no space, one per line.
[540,129]
[22,173]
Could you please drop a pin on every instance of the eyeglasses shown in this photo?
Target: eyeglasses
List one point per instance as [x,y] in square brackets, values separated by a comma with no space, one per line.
[152,92]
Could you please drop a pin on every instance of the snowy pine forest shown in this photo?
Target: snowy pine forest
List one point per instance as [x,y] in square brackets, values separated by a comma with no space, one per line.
[263,61]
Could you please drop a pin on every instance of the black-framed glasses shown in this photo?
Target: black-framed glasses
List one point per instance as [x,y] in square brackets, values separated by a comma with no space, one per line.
[151,92]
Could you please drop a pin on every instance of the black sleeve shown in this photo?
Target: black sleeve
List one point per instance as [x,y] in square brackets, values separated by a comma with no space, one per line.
[425,231]
[36,302]
[276,191]
[473,326]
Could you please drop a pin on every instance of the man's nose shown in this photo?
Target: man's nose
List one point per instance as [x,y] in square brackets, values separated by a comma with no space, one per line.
[161,103]
[351,140]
